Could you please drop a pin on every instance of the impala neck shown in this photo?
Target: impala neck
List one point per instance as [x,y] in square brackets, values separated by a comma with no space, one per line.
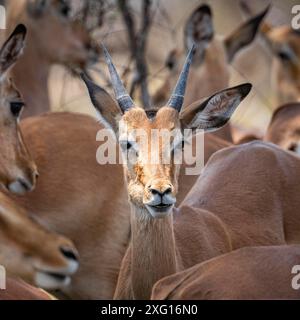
[153,251]
[30,75]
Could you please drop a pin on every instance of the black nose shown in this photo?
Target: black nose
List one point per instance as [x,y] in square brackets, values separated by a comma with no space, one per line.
[69,254]
[159,192]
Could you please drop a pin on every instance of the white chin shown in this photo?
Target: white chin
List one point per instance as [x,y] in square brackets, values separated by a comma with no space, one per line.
[17,188]
[49,282]
[159,213]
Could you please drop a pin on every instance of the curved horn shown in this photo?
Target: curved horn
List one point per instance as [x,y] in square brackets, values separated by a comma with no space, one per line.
[177,97]
[123,98]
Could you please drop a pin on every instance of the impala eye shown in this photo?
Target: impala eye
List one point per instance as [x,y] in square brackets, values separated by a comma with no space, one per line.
[284,56]
[64,8]
[126,145]
[16,107]
[293,147]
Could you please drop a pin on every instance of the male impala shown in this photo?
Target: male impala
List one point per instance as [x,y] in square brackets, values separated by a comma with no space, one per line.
[53,38]
[213,55]
[152,188]
[27,249]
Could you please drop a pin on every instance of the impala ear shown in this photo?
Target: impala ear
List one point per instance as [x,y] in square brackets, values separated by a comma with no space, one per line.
[12,48]
[106,107]
[244,35]
[199,31]
[214,112]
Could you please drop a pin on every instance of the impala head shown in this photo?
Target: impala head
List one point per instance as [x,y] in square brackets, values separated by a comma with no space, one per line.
[152,181]
[29,251]
[284,127]
[59,37]
[17,170]
[285,45]
[199,30]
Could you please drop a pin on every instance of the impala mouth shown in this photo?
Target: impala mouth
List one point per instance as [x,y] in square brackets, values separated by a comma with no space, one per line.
[160,210]
[161,206]
[57,276]
[20,186]
[52,280]
[57,279]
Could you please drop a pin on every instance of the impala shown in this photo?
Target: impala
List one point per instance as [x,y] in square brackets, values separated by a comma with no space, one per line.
[27,249]
[67,200]
[256,203]
[32,252]
[284,43]
[246,273]
[53,38]
[153,250]
[20,290]
[18,171]
[213,56]
[284,127]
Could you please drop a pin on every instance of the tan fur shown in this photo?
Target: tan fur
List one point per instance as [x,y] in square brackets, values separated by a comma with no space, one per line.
[15,160]
[27,249]
[213,225]
[262,211]
[246,273]
[68,192]
[20,290]
[158,247]
[284,127]
[26,246]
[212,144]
[52,39]
[285,75]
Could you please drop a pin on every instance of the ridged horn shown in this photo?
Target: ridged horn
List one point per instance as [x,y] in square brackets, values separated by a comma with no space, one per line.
[177,97]
[124,100]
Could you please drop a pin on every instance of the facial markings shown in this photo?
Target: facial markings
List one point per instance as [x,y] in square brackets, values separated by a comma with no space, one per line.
[166,120]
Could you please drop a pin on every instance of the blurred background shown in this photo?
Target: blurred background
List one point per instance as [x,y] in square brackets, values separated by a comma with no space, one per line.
[67,93]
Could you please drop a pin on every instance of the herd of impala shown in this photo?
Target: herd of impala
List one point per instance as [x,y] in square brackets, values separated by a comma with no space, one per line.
[140,230]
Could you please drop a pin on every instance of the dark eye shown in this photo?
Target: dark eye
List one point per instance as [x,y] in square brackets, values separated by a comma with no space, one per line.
[283,56]
[64,8]
[16,107]
[293,147]
[65,11]
[125,145]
